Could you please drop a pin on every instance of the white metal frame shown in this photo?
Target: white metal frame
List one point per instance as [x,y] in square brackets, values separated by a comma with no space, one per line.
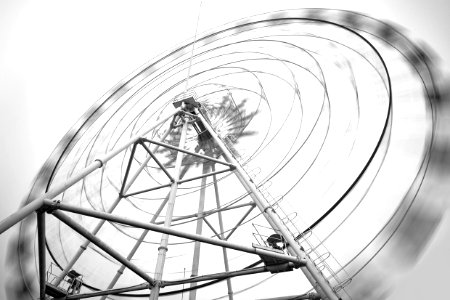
[297,257]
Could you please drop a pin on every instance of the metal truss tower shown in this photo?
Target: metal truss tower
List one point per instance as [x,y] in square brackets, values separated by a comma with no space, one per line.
[188,113]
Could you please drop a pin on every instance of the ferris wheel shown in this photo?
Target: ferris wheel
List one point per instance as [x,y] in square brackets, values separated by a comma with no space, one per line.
[282,156]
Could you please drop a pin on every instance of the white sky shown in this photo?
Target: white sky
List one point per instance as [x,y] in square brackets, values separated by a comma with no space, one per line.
[57,58]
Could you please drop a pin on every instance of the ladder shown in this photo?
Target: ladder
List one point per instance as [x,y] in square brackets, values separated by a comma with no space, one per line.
[327,265]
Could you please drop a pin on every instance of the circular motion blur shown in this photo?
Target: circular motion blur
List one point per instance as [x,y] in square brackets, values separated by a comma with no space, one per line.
[289,155]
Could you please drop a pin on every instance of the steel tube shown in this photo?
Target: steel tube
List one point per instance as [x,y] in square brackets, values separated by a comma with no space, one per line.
[127,172]
[170,231]
[222,275]
[209,212]
[148,190]
[162,250]
[41,253]
[199,230]
[20,214]
[239,222]
[271,216]
[107,292]
[211,227]
[99,243]
[221,228]
[157,161]
[190,153]
[204,175]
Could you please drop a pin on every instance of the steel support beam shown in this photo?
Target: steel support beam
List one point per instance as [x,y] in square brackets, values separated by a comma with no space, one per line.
[312,274]
[239,222]
[221,228]
[198,230]
[148,190]
[205,175]
[99,243]
[191,153]
[41,253]
[211,227]
[107,292]
[138,242]
[216,276]
[162,250]
[157,161]
[210,212]
[170,231]
[20,214]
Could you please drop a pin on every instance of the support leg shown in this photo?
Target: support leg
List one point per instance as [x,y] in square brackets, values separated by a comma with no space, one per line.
[162,250]
[196,258]
[41,249]
[224,250]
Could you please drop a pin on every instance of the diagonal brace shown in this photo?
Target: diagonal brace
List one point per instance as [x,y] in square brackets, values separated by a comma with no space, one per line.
[240,222]
[225,275]
[206,175]
[117,219]
[190,153]
[99,243]
[139,287]
[148,190]
[156,160]
[209,212]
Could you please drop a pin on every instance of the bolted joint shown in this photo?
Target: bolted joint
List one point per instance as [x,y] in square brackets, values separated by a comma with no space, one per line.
[269,207]
[50,206]
[160,283]
[42,209]
[163,248]
[301,262]
[279,268]
[314,296]
[100,161]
